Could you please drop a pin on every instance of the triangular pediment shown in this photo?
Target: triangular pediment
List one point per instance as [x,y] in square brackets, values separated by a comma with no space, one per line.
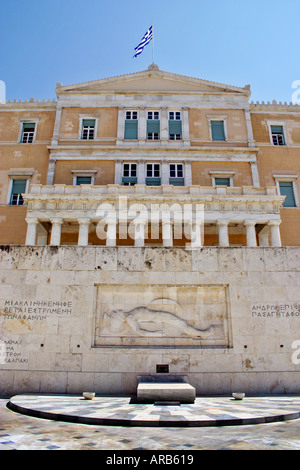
[154,81]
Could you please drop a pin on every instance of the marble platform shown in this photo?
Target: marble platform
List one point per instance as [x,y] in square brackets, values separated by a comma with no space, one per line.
[124,411]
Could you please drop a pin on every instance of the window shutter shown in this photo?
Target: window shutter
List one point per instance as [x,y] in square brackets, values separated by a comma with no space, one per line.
[217,130]
[88,122]
[222,181]
[131,129]
[83,180]
[286,189]
[277,129]
[28,126]
[153,126]
[19,186]
[175,127]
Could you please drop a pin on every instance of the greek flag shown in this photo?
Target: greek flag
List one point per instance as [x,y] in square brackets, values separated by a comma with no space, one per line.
[146,39]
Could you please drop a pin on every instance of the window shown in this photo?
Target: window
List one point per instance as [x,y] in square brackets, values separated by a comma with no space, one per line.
[83,177]
[28,132]
[18,188]
[153,125]
[174,116]
[217,130]
[176,174]
[131,125]
[222,181]
[131,115]
[153,174]
[222,177]
[175,125]
[88,129]
[83,180]
[277,135]
[153,115]
[129,177]
[176,170]
[286,188]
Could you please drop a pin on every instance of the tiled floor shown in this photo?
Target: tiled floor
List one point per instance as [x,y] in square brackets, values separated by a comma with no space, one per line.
[21,432]
[206,411]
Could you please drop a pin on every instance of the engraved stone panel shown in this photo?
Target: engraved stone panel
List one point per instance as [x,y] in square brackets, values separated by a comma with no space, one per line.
[161,315]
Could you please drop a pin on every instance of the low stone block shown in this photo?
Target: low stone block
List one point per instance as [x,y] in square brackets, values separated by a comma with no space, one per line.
[169,388]
[178,392]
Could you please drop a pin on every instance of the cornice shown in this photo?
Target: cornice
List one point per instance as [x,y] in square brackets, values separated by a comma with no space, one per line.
[274,106]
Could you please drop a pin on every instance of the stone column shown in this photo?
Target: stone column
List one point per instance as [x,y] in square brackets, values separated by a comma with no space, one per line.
[196,239]
[111,232]
[83,235]
[31,231]
[56,231]
[250,232]
[142,125]
[118,171]
[167,233]
[223,233]
[51,171]
[141,172]
[165,172]
[121,124]
[187,173]
[185,125]
[275,232]
[263,236]
[55,137]
[139,232]
[42,235]
[251,141]
[255,175]
[164,125]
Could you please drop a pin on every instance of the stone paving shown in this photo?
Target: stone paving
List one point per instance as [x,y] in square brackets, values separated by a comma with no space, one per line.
[23,432]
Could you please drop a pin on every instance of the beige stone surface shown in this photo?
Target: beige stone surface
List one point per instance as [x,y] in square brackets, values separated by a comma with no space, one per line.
[52,301]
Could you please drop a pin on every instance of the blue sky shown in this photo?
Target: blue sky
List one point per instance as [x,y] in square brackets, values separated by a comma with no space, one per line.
[237,42]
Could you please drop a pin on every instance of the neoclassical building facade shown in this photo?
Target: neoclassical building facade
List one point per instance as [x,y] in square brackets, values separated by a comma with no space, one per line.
[149,223]
[153,138]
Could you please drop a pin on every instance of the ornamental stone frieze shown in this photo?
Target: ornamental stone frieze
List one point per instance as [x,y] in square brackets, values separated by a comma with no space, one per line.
[255,210]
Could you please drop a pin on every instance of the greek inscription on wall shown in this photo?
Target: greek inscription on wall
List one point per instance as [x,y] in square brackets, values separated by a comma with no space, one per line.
[34,309]
[276,310]
[11,352]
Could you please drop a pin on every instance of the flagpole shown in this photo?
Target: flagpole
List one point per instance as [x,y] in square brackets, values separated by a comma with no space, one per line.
[152,44]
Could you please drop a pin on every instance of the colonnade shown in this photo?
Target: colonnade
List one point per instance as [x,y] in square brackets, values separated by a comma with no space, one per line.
[268,236]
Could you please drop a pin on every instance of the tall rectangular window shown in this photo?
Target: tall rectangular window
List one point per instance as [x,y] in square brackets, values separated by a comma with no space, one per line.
[153,125]
[153,174]
[131,125]
[287,189]
[129,177]
[18,188]
[175,125]
[277,135]
[176,174]
[88,129]
[28,130]
[217,130]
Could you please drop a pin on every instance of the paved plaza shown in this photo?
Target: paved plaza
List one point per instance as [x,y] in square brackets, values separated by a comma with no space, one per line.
[222,428]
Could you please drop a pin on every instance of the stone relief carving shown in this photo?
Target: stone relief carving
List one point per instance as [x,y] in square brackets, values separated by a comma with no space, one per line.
[154,315]
[145,321]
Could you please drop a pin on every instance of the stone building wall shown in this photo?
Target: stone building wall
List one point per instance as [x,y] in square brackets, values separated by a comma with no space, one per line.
[93,318]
